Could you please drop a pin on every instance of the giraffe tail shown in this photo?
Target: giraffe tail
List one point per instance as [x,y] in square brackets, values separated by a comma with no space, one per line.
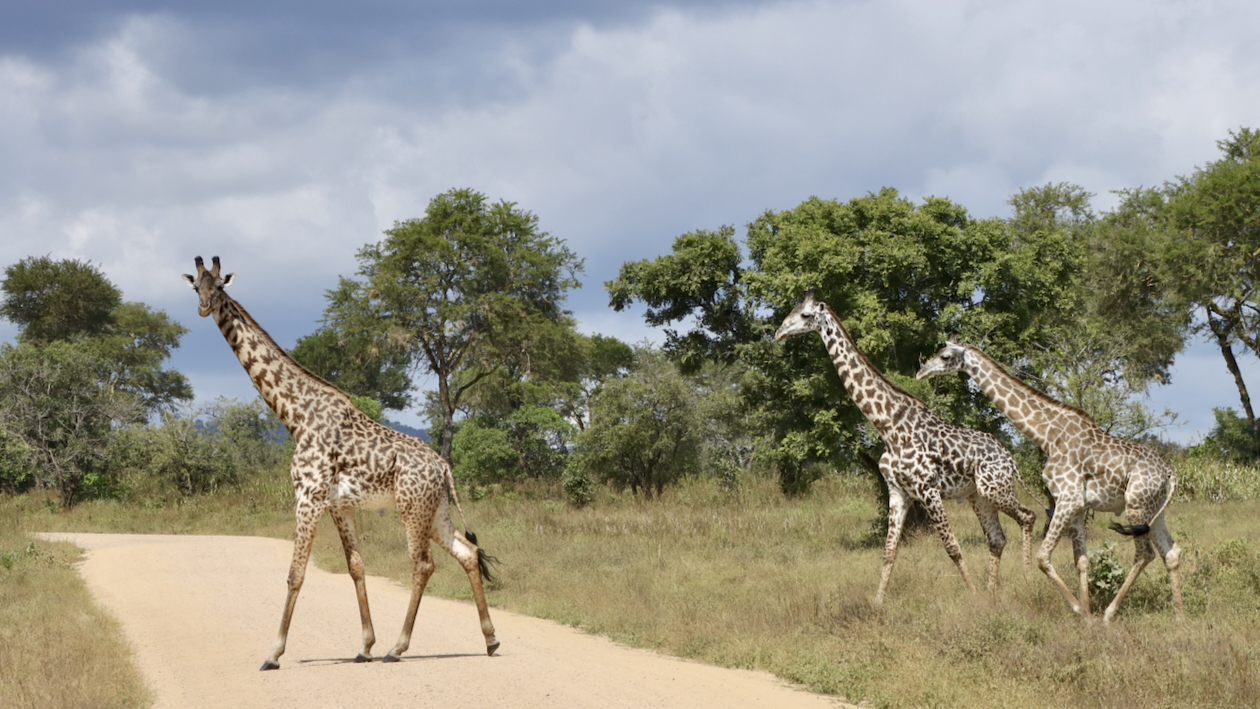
[1137,530]
[484,560]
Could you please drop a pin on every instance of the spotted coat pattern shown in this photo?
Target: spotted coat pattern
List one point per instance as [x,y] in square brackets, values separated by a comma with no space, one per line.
[1086,468]
[344,461]
[925,457]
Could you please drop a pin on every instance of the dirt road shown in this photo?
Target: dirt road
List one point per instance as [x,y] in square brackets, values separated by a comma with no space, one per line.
[201,613]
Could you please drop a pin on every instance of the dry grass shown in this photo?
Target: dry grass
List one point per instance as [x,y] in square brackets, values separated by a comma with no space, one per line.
[57,648]
[748,579]
[753,581]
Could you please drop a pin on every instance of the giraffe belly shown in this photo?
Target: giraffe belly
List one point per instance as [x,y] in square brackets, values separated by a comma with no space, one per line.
[1097,497]
[348,493]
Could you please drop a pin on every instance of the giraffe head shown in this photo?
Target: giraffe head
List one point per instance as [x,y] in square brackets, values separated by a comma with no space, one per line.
[209,285]
[951,358]
[807,316]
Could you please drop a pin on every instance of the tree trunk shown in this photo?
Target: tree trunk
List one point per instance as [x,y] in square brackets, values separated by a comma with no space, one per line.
[1221,331]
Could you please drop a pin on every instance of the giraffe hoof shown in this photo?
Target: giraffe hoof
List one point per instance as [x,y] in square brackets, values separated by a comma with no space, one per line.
[269,665]
[390,658]
[363,658]
[492,647]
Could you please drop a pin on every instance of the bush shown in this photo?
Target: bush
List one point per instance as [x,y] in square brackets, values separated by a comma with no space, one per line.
[201,450]
[1231,439]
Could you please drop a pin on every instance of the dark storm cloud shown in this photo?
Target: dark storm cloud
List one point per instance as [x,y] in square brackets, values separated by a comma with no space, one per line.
[216,47]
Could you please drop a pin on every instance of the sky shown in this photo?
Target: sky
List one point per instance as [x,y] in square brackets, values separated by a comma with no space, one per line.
[284,136]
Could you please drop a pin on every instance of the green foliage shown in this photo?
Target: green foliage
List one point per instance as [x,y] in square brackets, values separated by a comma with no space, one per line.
[57,411]
[531,442]
[370,407]
[136,343]
[1046,290]
[199,451]
[356,365]
[1210,254]
[470,288]
[57,300]
[1106,575]
[598,360]
[701,279]
[645,430]
[16,464]
[1231,439]
[72,301]
[579,489]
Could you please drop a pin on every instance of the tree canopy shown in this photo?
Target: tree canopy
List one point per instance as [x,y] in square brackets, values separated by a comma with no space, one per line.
[1211,253]
[901,275]
[459,294]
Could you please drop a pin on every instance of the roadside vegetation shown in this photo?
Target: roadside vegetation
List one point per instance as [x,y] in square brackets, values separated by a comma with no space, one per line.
[745,577]
[716,496]
[57,647]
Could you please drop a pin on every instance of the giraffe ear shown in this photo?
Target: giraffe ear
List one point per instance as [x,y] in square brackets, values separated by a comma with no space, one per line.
[192,282]
[227,280]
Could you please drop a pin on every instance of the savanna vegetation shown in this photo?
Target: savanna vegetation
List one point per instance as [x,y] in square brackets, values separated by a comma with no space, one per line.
[716,497]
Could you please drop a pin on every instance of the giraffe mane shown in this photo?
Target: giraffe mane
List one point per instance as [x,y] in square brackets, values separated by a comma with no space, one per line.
[861,355]
[284,353]
[1031,390]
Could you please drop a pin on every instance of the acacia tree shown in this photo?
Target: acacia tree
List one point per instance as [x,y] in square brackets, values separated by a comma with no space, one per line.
[72,301]
[460,293]
[57,300]
[56,401]
[1213,253]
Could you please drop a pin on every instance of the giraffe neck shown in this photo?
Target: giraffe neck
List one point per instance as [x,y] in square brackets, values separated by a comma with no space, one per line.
[879,401]
[1034,413]
[292,391]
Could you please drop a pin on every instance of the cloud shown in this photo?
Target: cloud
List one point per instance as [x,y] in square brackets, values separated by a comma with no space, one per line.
[284,136]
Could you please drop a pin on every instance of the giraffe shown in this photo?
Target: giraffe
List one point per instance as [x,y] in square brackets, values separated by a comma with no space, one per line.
[925,458]
[1086,468]
[344,461]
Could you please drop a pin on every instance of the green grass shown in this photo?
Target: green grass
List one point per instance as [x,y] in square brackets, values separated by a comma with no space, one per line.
[749,579]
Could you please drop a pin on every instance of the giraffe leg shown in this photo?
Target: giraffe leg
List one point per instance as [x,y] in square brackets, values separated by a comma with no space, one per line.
[1065,513]
[1143,553]
[936,512]
[307,518]
[1171,553]
[1142,556]
[1080,556]
[1002,496]
[992,525]
[421,570]
[897,508]
[465,552]
[344,519]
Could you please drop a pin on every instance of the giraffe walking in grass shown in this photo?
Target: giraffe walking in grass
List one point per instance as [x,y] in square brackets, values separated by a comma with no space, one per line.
[1086,468]
[345,461]
[925,458]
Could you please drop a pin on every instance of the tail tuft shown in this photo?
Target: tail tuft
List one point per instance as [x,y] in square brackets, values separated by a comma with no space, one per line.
[1130,530]
[484,560]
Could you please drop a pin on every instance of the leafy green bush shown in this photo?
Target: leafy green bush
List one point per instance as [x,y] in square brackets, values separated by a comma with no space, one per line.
[1231,439]
[1106,575]
[198,451]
